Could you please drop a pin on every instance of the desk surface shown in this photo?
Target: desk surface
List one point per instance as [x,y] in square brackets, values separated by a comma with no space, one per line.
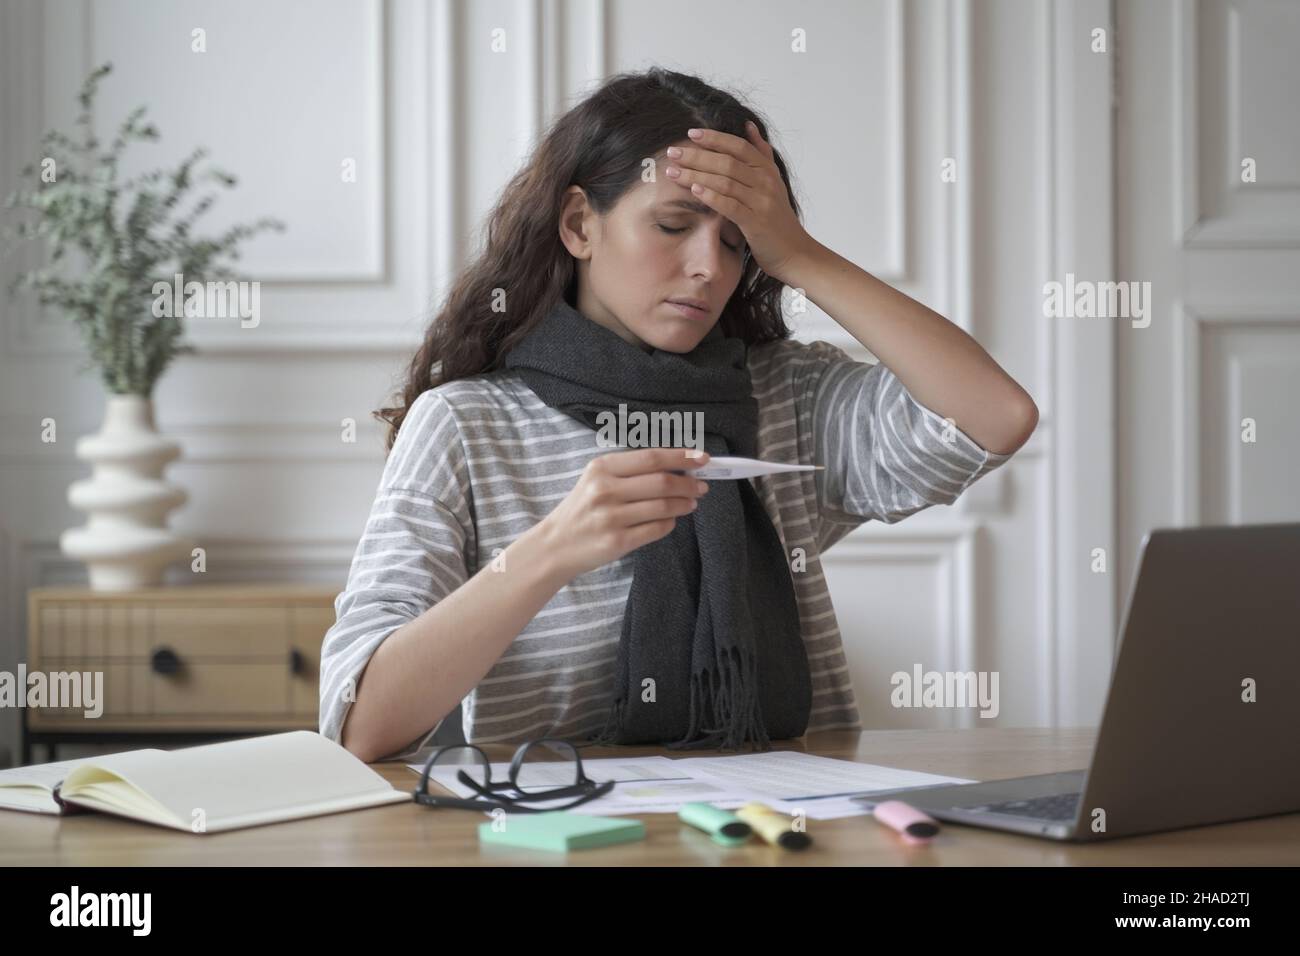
[407,834]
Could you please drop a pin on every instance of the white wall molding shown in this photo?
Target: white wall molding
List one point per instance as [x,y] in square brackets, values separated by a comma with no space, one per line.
[213,443]
[958,88]
[1080,486]
[380,306]
[1191,324]
[899,267]
[949,548]
[1233,222]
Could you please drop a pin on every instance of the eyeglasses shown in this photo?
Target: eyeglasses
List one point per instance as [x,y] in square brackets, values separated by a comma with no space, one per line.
[528,780]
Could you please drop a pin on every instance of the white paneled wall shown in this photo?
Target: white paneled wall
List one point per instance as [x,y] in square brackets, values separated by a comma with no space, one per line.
[436,121]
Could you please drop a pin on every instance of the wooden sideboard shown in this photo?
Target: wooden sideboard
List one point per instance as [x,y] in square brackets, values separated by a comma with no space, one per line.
[185,664]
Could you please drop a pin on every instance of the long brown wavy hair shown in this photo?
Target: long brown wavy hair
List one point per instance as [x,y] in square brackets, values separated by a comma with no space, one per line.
[598,145]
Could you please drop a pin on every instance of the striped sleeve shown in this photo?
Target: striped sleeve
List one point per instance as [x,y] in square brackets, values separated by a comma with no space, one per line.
[412,553]
[885,455]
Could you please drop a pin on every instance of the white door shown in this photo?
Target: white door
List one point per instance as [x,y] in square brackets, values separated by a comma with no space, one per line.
[1209,214]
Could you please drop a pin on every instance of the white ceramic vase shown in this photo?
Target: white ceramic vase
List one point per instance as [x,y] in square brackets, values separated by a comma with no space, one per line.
[126,543]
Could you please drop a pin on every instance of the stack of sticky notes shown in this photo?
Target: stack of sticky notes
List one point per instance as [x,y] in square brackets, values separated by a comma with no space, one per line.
[560,830]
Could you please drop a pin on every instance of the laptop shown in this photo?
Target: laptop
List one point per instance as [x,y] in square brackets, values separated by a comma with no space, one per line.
[1202,718]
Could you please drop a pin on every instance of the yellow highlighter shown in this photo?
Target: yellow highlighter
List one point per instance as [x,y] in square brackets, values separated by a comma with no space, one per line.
[776,828]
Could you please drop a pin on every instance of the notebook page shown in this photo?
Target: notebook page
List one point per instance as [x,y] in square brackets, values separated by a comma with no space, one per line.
[44,775]
[253,778]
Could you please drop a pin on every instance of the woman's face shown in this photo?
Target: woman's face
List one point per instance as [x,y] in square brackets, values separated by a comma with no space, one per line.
[659,242]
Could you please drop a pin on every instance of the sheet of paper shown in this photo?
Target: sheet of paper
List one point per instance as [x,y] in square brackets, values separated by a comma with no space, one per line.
[793,776]
[818,787]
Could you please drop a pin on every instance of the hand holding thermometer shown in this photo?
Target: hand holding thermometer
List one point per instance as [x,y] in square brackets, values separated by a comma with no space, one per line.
[725,467]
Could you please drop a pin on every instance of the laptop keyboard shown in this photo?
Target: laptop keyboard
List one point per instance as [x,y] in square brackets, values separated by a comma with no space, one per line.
[1056,806]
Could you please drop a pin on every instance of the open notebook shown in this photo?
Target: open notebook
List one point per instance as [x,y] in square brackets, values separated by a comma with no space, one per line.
[207,789]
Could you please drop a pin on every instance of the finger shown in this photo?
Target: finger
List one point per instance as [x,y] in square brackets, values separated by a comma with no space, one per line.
[724,185]
[642,534]
[710,161]
[731,209]
[656,509]
[643,460]
[659,484]
[755,137]
[742,149]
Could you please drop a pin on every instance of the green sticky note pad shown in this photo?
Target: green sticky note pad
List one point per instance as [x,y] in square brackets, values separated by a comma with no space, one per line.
[560,830]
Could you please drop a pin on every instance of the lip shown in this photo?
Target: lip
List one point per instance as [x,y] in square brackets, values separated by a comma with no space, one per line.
[694,308]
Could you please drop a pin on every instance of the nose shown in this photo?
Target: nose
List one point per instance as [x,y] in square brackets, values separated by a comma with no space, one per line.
[704,252]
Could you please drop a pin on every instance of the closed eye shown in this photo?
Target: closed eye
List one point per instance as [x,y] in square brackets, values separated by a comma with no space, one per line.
[683,229]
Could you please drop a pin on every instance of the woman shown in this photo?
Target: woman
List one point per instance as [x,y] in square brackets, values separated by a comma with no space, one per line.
[555,587]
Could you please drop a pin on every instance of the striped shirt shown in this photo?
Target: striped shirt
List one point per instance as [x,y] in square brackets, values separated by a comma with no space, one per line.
[478,461]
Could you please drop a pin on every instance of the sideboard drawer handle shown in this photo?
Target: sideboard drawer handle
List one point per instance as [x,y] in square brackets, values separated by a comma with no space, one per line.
[297,661]
[165,661]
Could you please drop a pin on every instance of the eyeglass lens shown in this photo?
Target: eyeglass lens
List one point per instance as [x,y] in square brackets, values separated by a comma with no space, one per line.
[542,766]
[465,759]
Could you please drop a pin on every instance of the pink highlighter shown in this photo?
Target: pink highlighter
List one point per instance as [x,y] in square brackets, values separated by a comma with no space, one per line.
[913,825]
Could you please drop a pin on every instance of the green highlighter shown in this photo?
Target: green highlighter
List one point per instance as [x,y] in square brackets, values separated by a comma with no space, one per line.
[723,826]
[560,830]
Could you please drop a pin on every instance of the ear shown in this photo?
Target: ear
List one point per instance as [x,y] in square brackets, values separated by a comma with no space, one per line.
[577,223]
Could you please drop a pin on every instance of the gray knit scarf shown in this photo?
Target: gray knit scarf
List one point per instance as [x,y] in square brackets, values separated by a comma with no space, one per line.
[711,616]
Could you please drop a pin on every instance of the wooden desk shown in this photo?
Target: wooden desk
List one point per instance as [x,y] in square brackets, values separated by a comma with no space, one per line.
[407,834]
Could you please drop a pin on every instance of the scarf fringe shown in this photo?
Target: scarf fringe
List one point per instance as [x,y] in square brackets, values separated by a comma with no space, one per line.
[610,733]
[730,701]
